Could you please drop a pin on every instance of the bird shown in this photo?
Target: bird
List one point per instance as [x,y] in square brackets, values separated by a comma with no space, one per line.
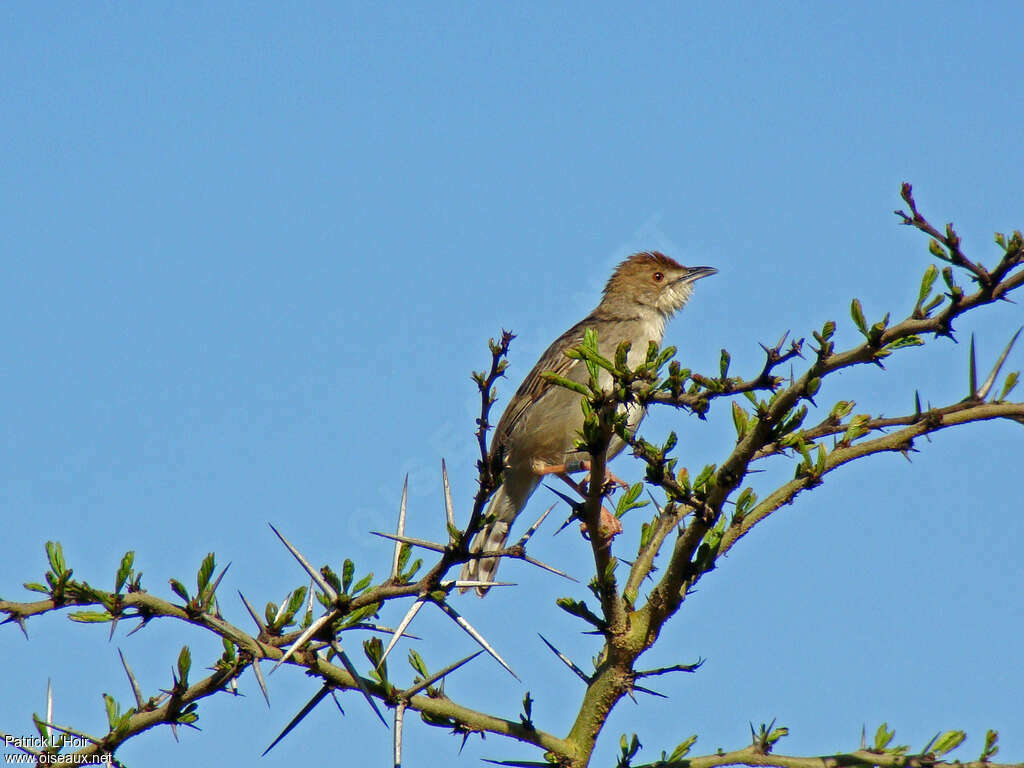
[538,430]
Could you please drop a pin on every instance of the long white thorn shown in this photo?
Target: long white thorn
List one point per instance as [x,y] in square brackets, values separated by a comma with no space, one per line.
[401,528]
[259,679]
[413,610]
[535,526]
[468,628]
[49,705]
[399,721]
[136,691]
[252,612]
[351,669]
[548,568]
[449,508]
[314,574]
[313,628]
[437,676]
[409,540]
[987,386]
[566,660]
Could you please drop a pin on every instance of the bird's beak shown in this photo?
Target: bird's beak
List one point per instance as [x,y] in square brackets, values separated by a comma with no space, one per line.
[693,274]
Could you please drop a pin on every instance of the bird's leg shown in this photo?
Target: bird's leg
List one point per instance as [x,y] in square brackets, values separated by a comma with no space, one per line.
[610,524]
[540,468]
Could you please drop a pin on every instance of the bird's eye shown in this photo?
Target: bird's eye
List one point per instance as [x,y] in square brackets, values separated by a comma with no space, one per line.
[658,277]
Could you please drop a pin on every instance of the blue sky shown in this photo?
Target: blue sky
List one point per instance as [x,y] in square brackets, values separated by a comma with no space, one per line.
[251,253]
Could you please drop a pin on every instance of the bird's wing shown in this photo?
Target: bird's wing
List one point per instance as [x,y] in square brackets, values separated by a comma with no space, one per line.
[535,386]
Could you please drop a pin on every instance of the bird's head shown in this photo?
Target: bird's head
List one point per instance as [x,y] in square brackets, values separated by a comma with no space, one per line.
[651,281]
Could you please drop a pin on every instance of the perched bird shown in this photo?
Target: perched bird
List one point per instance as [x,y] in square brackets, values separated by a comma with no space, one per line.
[538,430]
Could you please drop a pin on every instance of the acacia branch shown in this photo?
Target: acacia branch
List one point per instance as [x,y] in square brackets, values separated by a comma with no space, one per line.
[898,441]
[859,759]
[441,709]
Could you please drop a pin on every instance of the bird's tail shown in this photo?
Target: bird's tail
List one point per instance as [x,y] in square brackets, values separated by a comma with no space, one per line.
[502,510]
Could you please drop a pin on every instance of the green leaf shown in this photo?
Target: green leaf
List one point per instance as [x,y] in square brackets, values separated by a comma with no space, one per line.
[906,341]
[739,420]
[416,565]
[947,742]
[35,586]
[295,601]
[745,501]
[947,277]
[629,749]
[856,428]
[664,356]
[90,617]
[883,736]
[184,665]
[652,353]
[819,466]
[561,381]
[574,607]
[877,329]
[935,248]
[1001,240]
[179,589]
[792,421]
[403,557]
[362,613]
[124,570]
[348,570]
[416,662]
[55,555]
[588,352]
[374,650]
[331,578]
[188,715]
[683,749]
[991,746]
[113,710]
[931,274]
[842,409]
[205,572]
[628,501]
[858,316]
[927,309]
[621,355]
[723,363]
[705,477]
[1011,382]
[683,479]
[363,583]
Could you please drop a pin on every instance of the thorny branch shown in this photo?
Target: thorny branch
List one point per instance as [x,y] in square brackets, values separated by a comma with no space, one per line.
[693,510]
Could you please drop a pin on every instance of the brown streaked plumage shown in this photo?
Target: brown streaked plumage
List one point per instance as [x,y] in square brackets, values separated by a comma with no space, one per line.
[540,424]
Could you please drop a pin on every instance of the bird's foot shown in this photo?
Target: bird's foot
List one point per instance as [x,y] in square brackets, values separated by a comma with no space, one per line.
[541,468]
